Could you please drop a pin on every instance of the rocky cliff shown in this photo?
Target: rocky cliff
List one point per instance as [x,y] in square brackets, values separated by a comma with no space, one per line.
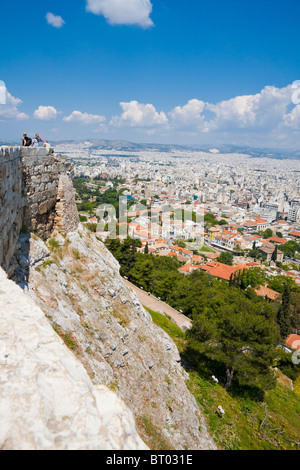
[103,344]
[47,400]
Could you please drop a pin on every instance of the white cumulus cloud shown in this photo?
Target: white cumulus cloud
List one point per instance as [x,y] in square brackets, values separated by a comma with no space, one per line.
[129,12]
[188,116]
[292,119]
[45,113]
[265,109]
[55,20]
[140,115]
[84,118]
[9,106]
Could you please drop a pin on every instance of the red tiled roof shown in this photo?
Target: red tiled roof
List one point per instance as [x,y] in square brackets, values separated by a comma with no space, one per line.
[220,270]
[211,255]
[185,268]
[198,258]
[264,291]
[181,250]
[250,223]
[293,342]
[283,241]
[141,233]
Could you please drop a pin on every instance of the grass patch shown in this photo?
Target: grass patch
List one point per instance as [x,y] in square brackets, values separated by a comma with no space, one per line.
[76,254]
[121,318]
[169,327]
[47,263]
[297,386]
[206,249]
[152,435]
[53,244]
[68,338]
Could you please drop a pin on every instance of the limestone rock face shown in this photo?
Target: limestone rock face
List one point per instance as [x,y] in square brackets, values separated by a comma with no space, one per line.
[47,400]
[83,295]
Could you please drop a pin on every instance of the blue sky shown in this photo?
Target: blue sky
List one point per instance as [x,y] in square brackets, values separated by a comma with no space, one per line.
[170,71]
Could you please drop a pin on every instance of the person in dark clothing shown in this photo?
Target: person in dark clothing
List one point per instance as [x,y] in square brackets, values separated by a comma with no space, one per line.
[27,141]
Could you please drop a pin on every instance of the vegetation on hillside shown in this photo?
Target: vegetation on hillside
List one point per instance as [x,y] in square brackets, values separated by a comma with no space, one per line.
[253,420]
[236,336]
[90,200]
[234,330]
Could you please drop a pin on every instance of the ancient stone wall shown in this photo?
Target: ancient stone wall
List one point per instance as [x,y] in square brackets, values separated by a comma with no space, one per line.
[11,202]
[29,183]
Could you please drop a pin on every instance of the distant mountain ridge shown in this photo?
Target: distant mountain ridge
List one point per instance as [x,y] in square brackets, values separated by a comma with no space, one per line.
[123,145]
[7,142]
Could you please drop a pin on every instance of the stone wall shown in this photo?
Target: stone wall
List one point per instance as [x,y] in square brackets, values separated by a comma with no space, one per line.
[11,202]
[66,219]
[29,182]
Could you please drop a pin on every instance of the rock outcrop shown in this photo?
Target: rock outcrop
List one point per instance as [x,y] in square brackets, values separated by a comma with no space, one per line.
[81,292]
[47,400]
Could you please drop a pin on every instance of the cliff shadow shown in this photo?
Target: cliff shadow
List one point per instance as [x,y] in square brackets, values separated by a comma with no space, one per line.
[21,260]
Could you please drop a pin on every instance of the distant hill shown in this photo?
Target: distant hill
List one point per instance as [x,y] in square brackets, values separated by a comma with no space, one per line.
[7,142]
[255,152]
[123,145]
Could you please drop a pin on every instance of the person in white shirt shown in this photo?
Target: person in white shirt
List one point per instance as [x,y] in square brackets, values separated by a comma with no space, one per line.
[37,141]
[47,145]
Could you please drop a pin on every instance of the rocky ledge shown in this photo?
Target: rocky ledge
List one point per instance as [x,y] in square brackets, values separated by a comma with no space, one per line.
[47,400]
[76,283]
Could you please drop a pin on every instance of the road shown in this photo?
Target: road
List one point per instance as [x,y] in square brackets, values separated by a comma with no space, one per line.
[153,303]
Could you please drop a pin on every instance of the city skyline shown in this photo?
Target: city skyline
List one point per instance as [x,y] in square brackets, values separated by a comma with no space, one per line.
[162,72]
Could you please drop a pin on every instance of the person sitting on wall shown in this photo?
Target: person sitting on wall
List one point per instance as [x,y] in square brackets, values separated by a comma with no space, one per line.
[26,142]
[36,141]
[47,145]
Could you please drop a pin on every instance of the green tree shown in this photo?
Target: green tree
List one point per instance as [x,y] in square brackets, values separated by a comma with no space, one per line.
[284,314]
[240,338]
[275,254]
[267,233]
[141,273]
[210,219]
[295,310]
[226,258]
